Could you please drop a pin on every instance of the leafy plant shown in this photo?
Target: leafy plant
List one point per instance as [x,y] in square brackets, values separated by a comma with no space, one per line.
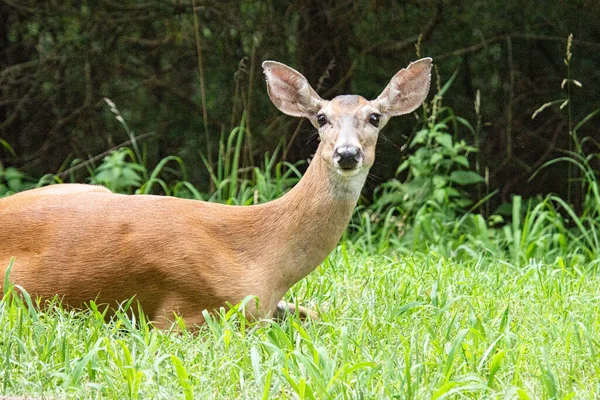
[438,166]
[437,173]
[12,181]
[244,186]
[119,172]
[581,230]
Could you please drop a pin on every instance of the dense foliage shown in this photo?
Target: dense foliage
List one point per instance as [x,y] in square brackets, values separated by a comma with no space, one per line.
[182,79]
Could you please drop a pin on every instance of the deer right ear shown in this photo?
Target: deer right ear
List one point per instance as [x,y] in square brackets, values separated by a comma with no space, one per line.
[289,90]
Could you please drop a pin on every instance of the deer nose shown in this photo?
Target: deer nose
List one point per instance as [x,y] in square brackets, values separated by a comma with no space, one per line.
[347,157]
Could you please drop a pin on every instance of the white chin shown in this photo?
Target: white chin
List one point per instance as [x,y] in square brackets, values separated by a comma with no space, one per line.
[348,173]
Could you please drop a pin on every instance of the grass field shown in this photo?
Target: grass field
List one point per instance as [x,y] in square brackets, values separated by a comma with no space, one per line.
[441,304]
[391,326]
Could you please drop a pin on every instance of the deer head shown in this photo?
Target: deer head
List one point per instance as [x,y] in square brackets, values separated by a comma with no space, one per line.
[349,124]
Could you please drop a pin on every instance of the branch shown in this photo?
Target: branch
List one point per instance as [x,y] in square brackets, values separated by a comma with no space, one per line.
[499,38]
[471,49]
[152,43]
[17,68]
[19,107]
[65,173]
[21,7]
[387,48]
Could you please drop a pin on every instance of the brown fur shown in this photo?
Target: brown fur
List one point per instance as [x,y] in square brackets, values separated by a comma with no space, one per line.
[181,256]
[171,254]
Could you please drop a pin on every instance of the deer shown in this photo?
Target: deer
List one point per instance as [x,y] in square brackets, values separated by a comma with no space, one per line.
[179,257]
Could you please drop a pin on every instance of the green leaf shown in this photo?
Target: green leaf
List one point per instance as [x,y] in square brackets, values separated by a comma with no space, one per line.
[462,160]
[405,164]
[465,177]
[408,306]
[494,366]
[445,140]
[436,158]
[182,376]
[451,192]
[452,353]
[7,283]
[439,195]
[420,137]
[439,181]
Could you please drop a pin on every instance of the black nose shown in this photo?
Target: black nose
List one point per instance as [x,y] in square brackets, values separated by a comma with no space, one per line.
[347,157]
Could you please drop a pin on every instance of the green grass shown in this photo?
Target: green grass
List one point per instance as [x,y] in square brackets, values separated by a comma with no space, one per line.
[391,326]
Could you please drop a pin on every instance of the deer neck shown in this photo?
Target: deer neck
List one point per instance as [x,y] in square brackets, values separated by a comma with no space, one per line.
[311,218]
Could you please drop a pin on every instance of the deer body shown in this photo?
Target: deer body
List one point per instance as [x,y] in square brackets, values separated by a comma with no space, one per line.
[85,243]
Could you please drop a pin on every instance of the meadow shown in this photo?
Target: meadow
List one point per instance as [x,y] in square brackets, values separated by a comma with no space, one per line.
[391,326]
[426,297]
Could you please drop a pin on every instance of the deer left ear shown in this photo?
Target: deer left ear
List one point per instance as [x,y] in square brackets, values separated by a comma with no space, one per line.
[289,90]
[407,89]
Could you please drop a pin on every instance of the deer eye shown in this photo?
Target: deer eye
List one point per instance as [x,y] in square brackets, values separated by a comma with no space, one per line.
[321,119]
[374,119]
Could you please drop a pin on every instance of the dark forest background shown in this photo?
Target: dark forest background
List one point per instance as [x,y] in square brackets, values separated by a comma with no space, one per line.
[183,72]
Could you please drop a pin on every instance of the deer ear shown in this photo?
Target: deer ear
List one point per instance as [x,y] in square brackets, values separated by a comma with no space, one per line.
[289,90]
[407,89]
